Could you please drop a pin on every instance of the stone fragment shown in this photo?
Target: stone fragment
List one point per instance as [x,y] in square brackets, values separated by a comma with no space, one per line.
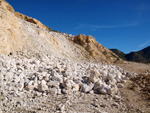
[87,88]
[101,87]
[21,85]
[67,84]
[9,76]
[94,76]
[35,82]
[52,91]
[120,85]
[42,86]
[52,84]
[30,85]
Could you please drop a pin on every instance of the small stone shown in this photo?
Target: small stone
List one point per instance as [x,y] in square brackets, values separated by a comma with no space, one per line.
[59,68]
[120,85]
[103,105]
[53,84]
[21,85]
[30,85]
[42,86]
[64,91]
[9,76]
[115,105]
[113,91]
[37,94]
[87,88]
[57,78]
[60,107]
[1,111]
[67,84]
[53,91]
[46,78]
[35,82]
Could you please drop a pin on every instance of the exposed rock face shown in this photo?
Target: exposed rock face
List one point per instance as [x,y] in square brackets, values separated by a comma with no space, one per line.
[31,20]
[95,49]
[11,35]
[5,5]
[23,34]
[17,34]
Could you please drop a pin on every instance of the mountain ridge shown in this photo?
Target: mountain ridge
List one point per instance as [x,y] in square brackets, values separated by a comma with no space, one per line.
[142,56]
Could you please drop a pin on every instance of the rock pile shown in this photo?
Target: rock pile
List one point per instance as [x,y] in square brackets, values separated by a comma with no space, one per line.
[56,75]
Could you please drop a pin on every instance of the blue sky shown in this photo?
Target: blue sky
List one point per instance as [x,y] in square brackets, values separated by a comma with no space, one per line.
[121,24]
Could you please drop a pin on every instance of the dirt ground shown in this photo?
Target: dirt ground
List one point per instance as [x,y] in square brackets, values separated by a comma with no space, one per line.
[135,67]
[136,93]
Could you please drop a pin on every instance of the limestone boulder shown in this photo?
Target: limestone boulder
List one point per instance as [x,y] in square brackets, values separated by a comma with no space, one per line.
[94,76]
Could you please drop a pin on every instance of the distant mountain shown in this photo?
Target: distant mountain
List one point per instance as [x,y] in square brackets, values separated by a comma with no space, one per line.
[119,53]
[142,56]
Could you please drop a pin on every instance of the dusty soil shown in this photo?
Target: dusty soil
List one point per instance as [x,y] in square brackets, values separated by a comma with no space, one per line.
[136,93]
[135,67]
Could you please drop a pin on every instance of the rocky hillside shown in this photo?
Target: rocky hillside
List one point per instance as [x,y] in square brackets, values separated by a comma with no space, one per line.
[142,56]
[26,34]
[45,71]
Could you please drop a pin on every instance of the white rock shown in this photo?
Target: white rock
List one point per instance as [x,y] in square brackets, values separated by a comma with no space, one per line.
[67,73]
[21,85]
[17,79]
[57,77]
[42,86]
[1,111]
[46,78]
[9,76]
[52,84]
[94,76]
[53,91]
[75,87]
[67,84]
[35,82]
[87,88]
[1,78]
[101,87]
[30,85]
[40,77]
[37,93]
[59,68]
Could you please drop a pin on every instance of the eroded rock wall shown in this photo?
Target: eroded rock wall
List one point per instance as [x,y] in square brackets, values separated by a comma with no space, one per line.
[95,49]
